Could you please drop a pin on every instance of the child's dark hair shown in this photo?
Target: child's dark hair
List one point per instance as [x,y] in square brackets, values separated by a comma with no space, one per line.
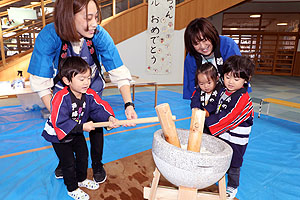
[240,66]
[209,70]
[71,66]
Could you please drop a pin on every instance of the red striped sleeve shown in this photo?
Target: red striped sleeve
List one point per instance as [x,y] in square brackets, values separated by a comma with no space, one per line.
[240,113]
[193,93]
[56,103]
[98,100]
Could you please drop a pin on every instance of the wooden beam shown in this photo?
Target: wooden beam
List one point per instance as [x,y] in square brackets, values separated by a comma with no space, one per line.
[43,12]
[187,193]
[172,194]
[2,46]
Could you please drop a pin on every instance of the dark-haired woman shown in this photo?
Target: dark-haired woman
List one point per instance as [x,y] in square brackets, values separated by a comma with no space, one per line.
[204,44]
[75,32]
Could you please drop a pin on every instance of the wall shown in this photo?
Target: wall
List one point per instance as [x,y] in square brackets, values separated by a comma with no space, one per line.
[133,54]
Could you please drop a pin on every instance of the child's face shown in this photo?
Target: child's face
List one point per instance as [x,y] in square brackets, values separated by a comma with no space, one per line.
[233,83]
[80,83]
[206,83]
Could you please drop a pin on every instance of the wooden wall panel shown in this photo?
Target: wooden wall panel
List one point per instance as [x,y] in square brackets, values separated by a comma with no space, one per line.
[216,6]
[187,11]
[128,23]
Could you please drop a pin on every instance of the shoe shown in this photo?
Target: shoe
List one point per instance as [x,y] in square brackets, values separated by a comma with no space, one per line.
[231,192]
[79,194]
[58,172]
[89,184]
[99,174]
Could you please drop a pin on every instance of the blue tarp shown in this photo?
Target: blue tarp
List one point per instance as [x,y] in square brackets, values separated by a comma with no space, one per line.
[271,167]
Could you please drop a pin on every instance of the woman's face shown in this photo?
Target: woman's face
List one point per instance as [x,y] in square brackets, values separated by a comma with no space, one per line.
[203,46]
[81,22]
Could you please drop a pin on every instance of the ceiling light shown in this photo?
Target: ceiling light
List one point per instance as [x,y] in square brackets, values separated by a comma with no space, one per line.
[282,24]
[255,16]
[233,29]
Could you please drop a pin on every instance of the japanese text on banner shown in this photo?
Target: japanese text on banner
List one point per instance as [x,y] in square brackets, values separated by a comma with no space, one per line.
[161,18]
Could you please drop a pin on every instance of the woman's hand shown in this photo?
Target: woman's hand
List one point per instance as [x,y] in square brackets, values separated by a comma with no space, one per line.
[129,110]
[88,126]
[130,114]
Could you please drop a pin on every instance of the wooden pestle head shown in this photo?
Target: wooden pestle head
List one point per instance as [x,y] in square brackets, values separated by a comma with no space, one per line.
[196,130]
[168,126]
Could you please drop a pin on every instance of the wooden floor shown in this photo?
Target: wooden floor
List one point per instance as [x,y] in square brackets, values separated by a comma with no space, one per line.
[127,177]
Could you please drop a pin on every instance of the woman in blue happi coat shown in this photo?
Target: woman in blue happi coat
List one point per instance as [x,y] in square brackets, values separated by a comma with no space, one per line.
[75,32]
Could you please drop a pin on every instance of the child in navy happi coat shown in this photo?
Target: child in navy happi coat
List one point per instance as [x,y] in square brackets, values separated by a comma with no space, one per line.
[207,86]
[231,115]
[73,110]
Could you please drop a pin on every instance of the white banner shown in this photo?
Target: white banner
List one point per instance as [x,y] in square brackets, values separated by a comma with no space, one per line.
[161,19]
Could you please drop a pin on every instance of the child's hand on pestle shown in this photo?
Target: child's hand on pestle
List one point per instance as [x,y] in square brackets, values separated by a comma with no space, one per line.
[206,113]
[113,122]
[88,126]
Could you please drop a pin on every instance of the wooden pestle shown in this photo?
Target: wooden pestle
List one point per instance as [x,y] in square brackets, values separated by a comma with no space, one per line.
[196,130]
[168,126]
[132,121]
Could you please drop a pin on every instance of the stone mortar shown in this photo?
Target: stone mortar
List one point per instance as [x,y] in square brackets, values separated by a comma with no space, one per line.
[191,169]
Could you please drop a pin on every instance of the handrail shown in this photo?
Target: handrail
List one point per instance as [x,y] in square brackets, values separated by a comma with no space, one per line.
[7,2]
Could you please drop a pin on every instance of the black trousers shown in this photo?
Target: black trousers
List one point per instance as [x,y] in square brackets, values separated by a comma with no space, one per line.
[233,175]
[97,141]
[73,157]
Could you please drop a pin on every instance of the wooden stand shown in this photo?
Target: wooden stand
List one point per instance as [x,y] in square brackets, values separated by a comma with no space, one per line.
[182,193]
[194,144]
